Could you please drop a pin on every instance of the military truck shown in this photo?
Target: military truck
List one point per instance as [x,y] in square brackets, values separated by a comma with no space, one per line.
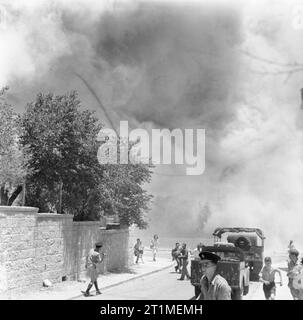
[232,267]
[251,241]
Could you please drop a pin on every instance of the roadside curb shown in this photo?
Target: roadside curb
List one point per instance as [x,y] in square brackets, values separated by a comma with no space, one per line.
[127,280]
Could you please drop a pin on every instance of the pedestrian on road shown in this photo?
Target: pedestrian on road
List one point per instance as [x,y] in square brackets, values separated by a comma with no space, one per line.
[154,245]
[267,276]
[213,285]
[297,280]
[184,255]
[291,246]
[138,251]
[292,263]
[93,260]
[175,256]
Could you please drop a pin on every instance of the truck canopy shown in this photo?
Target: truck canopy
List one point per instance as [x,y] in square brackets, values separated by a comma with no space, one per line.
[219,231]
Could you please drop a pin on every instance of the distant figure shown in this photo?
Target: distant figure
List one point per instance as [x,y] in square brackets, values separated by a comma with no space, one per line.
[296,275]
[184,262]
[195,253]
[175,256]
[93,259]
[138,251]
[291,246]
[267,276]
[213,285]
[292,264]
[154,245]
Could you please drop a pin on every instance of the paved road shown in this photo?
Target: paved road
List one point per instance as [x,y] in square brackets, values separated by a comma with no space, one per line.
[162,285]
[282,293]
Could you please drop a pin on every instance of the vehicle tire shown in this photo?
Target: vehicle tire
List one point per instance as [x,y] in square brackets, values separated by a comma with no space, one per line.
[253,276]
[237,294]
[197,291]
[246,290]
[243,243]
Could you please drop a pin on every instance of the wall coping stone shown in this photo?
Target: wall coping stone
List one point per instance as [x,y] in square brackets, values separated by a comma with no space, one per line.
[114,230]
[15,210]
[55,216]
[87,223]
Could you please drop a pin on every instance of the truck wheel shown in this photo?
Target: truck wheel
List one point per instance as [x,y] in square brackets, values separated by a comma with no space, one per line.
[237,294]
[246,290]
[197,291]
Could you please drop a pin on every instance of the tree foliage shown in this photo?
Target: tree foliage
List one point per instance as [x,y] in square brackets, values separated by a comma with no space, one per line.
[61,139]
[13,158]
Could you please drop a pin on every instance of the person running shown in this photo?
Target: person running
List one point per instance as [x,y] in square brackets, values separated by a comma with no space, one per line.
[93,259]
[296,274]
[267,276]
[154,245]
[292,264]
[184,255]
[137,250]
[175,256]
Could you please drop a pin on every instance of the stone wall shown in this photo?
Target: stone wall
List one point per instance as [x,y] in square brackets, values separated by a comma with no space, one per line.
[35,246]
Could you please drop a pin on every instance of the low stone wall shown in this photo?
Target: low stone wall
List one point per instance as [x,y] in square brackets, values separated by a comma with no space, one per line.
[35,246]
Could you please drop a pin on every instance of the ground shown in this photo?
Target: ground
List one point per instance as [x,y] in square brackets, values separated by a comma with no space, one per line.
[151,280]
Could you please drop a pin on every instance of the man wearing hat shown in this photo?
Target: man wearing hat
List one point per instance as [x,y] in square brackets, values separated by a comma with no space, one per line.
[213,285]
[93,259]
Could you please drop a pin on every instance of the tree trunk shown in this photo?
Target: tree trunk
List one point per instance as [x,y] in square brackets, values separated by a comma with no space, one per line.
[14,195]
[3,196]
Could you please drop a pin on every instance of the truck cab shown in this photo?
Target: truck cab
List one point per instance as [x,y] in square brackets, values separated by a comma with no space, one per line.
[250,241]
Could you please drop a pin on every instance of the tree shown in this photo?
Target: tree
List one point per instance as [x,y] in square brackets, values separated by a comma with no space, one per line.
[122,193]
[62,141]
[13,158]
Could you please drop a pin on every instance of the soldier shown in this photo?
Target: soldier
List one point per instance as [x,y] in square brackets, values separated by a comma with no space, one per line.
[184,262]
[175,256]
[93,259]
[213,285]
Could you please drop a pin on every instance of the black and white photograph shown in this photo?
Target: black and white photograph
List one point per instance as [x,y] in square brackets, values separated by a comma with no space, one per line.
[151,150]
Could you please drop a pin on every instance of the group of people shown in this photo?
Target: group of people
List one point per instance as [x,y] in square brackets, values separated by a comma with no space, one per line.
[181,255]
[139,248]
[213,285]
[294,274]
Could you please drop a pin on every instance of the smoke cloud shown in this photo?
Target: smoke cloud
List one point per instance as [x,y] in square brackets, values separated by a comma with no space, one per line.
[180,65]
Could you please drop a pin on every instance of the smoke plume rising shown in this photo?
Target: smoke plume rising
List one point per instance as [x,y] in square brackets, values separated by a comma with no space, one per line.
[178,65]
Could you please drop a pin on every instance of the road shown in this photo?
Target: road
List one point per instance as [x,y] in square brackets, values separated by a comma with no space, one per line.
[162,285]
[282,293]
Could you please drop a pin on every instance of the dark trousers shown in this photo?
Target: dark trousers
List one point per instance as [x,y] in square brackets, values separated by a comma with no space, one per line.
[184,269]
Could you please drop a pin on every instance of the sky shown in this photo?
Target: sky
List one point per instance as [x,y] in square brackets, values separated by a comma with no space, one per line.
[231,68]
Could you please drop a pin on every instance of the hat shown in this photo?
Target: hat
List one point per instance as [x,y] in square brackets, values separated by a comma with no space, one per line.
[206,255]
[99,244]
